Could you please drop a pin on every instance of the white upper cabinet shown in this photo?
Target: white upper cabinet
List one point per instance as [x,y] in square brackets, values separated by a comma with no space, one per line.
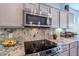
[11,14]
[55,17]
[70,20]
[31,7]
[63,19]
[44,10]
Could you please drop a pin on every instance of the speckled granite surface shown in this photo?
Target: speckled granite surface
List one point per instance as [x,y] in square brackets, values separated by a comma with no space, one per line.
[22,35]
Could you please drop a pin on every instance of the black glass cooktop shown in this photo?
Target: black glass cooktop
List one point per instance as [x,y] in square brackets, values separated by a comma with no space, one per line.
[38,45]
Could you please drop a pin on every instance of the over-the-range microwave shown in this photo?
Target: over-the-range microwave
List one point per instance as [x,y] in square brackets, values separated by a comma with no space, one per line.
[31,19]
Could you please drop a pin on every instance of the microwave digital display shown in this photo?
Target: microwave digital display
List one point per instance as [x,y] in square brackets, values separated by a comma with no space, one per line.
[36,19]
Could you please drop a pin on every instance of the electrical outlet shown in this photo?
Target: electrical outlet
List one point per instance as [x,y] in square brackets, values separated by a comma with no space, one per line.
[10,35]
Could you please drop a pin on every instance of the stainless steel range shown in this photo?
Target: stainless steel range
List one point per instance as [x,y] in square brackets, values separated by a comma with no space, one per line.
[48,52]
[41,48]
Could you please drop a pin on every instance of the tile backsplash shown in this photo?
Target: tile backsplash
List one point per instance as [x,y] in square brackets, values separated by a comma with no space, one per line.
[30,34]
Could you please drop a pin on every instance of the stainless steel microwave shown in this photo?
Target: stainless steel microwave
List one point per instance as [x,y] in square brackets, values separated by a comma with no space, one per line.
[31,19]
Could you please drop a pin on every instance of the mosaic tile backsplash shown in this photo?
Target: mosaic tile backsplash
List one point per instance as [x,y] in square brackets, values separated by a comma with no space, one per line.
[22,35]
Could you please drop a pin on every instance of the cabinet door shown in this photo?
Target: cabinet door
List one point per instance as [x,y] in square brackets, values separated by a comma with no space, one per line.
[44,10]
[70,20]
[65,47]
[78,48]
[11,14]
[31,7]
[73,44]
[78,51]
[78,44]
[63,19]
[73,51]
[55,18]
[66,53]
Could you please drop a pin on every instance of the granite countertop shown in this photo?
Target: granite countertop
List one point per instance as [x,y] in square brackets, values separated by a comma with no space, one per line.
[12,51]
[18,50]
[67,40]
